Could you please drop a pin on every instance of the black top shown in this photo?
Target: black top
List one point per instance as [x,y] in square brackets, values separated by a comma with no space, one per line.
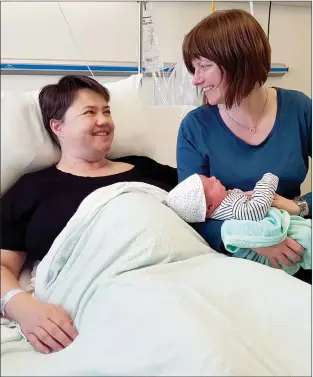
[36,209]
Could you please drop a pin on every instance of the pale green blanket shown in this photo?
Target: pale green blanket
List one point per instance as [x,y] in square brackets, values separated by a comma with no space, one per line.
[240,236]
[150,298]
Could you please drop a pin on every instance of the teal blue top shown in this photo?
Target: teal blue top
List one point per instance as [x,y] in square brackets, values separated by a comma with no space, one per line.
[206,146]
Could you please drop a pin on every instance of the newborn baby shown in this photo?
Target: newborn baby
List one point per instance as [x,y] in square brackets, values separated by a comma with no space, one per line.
[198,197]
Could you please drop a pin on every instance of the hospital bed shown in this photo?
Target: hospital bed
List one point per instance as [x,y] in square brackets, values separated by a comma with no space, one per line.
[152,131]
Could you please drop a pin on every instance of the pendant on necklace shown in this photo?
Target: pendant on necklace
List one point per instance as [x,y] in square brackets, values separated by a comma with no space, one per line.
[252,130]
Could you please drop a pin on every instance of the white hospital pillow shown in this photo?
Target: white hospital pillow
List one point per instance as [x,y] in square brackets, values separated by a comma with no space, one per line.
[25,144]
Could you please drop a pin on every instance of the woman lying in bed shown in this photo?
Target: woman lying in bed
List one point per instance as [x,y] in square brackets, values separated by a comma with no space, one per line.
[77,115]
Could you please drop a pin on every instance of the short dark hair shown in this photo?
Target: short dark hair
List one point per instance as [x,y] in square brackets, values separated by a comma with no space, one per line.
[55,99]
[235,41]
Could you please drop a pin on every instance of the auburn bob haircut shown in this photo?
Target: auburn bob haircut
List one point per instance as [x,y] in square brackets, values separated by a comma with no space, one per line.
[236,42]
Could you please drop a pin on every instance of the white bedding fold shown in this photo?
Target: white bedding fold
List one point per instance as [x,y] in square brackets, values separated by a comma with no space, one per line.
[150,297]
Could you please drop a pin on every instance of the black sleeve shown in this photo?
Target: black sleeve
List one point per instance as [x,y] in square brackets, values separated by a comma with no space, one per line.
[17,205]
[153,169]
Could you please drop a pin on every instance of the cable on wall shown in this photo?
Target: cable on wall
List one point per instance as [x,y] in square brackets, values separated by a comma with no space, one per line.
[77,45]
[269,20]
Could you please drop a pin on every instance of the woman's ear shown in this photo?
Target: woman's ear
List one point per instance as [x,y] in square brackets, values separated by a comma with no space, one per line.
[56,127]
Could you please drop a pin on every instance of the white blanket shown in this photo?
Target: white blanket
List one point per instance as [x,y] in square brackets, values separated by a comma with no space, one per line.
[150,297]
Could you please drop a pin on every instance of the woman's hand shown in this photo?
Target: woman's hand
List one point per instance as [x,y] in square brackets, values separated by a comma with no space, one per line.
[46,326]
[283,253]
[287,204]
[281,203]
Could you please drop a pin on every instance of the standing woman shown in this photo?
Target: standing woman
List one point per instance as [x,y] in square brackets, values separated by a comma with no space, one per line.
[244,129]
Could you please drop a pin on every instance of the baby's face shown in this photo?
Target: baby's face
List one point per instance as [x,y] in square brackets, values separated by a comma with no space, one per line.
[214,191]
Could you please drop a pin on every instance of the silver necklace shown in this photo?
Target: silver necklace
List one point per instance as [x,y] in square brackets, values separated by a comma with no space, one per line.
[251,129]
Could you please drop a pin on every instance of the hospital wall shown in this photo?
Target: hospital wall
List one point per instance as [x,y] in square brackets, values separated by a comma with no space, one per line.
[107,33]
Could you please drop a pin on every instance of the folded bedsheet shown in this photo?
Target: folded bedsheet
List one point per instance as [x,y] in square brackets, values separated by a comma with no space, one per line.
[150,298]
